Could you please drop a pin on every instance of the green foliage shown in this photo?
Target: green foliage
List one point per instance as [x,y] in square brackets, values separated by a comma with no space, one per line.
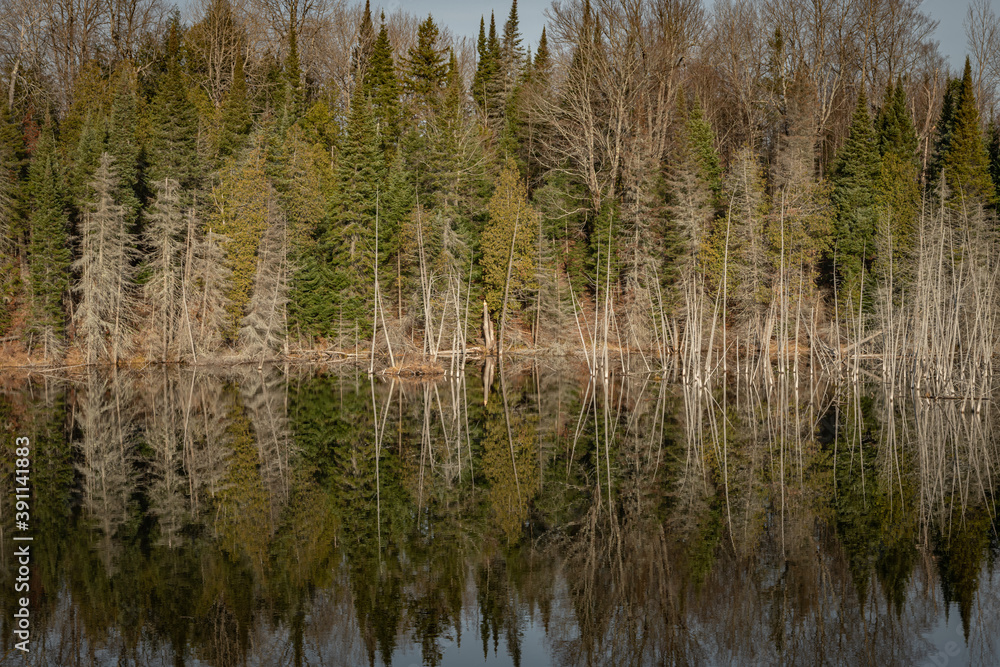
[173,149]
[49,253]
[854,180]
[381,87]
[509,238]
[898,189]
[123,142]
[426,70]
[240,213]
[964,158]
[233,122]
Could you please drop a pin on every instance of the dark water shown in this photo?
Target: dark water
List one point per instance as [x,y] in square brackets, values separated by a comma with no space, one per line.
[301,517]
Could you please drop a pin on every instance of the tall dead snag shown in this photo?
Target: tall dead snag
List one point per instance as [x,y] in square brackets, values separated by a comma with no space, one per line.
[163,237]
[104,315]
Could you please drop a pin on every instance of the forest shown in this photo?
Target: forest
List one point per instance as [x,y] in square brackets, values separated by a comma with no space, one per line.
[759,184]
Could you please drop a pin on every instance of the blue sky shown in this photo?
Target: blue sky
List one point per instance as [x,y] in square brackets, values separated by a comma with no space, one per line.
[462,16]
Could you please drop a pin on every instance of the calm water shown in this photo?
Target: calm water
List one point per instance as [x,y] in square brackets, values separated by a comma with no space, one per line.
[302,517]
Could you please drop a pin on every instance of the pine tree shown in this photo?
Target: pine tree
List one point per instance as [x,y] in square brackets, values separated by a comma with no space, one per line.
[854,179]
[105,310]
[965,161]
[487,84]
[509,238]
[945,127]
[48,249]
[173,151]
[381,87]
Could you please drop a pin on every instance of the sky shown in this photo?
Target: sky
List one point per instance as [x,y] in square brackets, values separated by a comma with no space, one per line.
[462,16]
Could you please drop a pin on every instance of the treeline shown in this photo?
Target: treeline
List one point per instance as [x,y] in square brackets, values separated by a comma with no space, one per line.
[278,176]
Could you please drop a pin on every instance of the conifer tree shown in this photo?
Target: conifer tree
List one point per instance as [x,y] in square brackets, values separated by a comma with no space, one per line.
[381,87]
[294,94]
[241,214]
[509,242]
[854,179]
[487,85]
[348,246]
[426,70]
[104,314]
[965,161]
[898,192]
[264,327]
[993,135]
[48,248]
[234,120]
[512,52]
[123,143]
[362,51]
[173,151]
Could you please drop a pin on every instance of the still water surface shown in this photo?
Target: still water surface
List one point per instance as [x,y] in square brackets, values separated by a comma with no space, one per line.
[308,517]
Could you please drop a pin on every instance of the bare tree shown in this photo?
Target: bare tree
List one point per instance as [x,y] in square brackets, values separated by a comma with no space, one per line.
[163,237]
[264,327]
[104,315]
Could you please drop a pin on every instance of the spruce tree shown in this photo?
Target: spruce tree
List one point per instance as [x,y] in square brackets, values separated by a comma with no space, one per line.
[426,70]
[898,192]
[381,87]
[234,120]
[48,247]
[965,161]
[173,150]
[855,176]
[294,93]
[362,52]
[511,50]
[123,143]
[348,247]
[993,135]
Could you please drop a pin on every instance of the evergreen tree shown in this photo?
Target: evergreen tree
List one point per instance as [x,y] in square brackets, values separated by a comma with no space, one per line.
[241,213]
[381,87]
[898,191]
[511,51]
[487,84]
[512,227]
[694,183]
[123,143]
[234,121]
[541,67]
[854,179]
[426,70]
[294,93]
[362,52]
[173,151]
[48,249]
[965,161]
[993,136]
[348,246]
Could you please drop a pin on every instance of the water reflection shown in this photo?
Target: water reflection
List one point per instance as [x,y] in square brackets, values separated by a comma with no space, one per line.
[300,516]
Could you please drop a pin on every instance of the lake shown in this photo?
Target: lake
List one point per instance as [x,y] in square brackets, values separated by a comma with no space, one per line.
[314,516]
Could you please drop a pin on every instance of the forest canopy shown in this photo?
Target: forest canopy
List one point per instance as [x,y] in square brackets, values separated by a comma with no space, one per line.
[273,176]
